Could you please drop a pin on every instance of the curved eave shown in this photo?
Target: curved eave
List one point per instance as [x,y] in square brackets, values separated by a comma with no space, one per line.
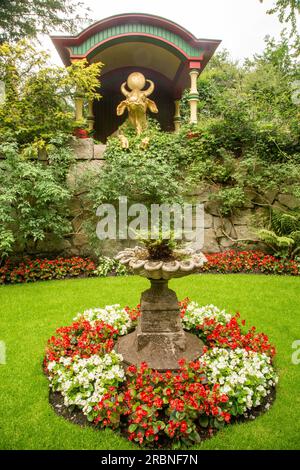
[134,36]
[64,44]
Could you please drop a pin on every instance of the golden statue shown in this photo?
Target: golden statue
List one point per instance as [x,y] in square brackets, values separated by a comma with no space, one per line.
[137,102]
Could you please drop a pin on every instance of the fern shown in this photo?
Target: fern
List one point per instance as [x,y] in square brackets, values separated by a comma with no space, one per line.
[270,238]
[285,223]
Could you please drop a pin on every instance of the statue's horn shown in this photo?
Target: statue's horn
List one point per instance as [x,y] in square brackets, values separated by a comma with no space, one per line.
[150,89]
[124,91]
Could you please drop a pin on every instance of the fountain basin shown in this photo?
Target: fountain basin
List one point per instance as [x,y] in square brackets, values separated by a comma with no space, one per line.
[160,269]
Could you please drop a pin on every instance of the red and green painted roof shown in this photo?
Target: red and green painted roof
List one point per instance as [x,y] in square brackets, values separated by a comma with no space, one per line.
[139,40]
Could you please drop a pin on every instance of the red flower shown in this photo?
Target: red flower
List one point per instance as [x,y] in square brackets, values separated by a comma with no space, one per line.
[183,427]
[132,369]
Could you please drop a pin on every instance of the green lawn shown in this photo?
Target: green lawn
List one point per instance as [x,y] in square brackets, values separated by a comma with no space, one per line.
[29,314]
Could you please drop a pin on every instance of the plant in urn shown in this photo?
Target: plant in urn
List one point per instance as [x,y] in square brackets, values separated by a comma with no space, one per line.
[159,338]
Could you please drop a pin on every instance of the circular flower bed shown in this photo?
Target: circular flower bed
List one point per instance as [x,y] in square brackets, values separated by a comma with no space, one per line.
[233,379]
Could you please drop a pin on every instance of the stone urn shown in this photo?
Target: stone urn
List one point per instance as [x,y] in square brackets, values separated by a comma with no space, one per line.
[159,338]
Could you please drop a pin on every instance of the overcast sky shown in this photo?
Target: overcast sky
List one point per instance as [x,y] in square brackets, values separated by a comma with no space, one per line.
[241,24]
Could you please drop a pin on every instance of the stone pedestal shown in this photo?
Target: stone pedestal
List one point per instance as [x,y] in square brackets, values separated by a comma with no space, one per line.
[159,338]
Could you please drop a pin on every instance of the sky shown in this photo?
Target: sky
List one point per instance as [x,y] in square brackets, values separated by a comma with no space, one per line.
[241,24]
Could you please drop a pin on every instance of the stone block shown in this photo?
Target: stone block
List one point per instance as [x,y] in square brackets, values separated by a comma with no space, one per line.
[80,239]
[210,242]
[278,205]
[99,150]
[83,148]
[42,154]
[75,206]
[242,217]
[212,207]
[289,201]
[271,195]
[154,321]
[74,251]
[208,220]
[77,223]
[52,245]
[226,242]
[244,232]
[78,169]
[221,225]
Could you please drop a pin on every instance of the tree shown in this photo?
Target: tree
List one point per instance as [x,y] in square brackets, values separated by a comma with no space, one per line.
[288,12]
[38,97]
[27,18]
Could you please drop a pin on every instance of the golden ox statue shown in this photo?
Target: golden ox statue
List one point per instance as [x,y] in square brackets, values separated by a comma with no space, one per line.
[137,102]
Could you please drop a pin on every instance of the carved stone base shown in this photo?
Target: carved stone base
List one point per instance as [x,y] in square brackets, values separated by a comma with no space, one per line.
[162,351]
[159,338]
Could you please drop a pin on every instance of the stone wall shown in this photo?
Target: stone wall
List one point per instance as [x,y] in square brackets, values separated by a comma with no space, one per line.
[219,233]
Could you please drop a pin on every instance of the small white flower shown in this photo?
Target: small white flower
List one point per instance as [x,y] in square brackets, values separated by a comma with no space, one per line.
[83,382]
[244,376]
[112,315]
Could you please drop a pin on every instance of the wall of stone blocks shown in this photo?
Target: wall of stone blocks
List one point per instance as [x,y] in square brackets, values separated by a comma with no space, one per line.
[219,233]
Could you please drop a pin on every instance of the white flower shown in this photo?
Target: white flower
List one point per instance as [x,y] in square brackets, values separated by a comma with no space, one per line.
[244,376]
[83,382]
[195,315]
[112,315]
[51,365]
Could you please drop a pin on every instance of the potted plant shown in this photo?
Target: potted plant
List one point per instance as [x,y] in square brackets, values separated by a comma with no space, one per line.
[80,130]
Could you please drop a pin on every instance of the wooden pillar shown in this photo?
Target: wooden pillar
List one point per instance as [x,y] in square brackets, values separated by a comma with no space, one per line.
[78,108]
[79,101]
[177,118]
[193,96]
[91,116]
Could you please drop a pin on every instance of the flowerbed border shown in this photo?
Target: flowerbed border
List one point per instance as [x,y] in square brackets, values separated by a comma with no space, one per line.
[227,262]
[233,381]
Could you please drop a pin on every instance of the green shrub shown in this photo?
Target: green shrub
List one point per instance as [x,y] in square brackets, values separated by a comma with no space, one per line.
[107,266]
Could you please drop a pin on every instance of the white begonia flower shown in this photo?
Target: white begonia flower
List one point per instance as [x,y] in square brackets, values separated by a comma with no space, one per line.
[112,315]
[195,315]
[84,381]
[244,376]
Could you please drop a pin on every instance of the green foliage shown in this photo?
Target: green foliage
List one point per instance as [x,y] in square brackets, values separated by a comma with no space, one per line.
[36,120]
[248,136]
[152,175]
[27,18]
[288,13]
[229,199]
[82,79]
[39,98]
[270,238]
[146,176]
[108,266]
[33,201]
[161,247]
[285,222]
[282,234]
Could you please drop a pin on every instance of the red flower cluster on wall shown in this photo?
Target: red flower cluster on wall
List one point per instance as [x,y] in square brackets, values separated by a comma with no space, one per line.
[45,269]
[250,262]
